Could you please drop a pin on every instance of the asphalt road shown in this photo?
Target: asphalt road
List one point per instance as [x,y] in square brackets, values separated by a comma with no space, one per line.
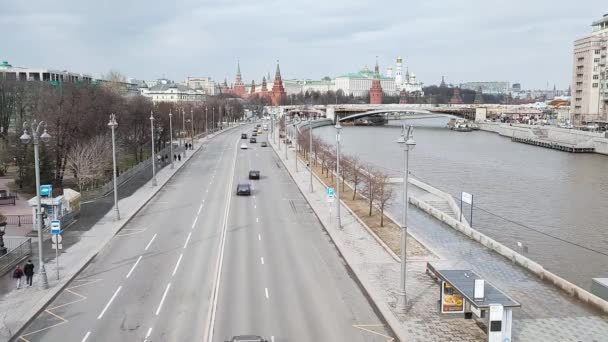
[189,266]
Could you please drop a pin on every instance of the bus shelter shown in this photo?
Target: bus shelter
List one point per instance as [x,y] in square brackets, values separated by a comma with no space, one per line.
[465,292]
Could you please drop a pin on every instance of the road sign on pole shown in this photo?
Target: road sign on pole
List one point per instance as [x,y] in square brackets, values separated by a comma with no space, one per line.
[330,195]
[55,227]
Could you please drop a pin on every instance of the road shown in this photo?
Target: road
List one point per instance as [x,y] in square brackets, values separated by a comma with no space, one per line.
[199,263]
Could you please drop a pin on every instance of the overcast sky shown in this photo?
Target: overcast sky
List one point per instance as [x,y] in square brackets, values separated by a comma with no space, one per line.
[527,41]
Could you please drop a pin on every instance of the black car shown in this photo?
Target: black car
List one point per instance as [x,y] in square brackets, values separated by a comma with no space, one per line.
[254,174]
[243,135]
[247,338]
[254,134]
[243,189]
[263,144]
[253,140]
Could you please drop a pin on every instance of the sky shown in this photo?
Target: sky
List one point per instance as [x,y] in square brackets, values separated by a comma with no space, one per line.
[524,41]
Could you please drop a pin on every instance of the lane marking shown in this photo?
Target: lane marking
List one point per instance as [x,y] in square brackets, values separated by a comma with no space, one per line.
[177,264]
[259,237]
[209,327]
[133,267]
[149,243]
[266,290]
[262,260]
[200,208]
[255,206]
[187,239]
[148,335]
[365,327]
[109,302]
[162,300]
[257,219]
[86,336]
[194,223]
[271,338]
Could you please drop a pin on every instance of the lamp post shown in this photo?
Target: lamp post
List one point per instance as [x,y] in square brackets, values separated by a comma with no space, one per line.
[338,128]
[171,137]
[184,131]
[286,136]
[408,143]
[113,124]
[3,249]
[295,133]
[192,126]
[153,152]
[206,123]
[35,128]
[213,119]
[310,150]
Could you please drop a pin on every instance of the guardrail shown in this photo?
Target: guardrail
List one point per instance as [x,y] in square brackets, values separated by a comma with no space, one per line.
[8,200]
[18,220]
[18,250]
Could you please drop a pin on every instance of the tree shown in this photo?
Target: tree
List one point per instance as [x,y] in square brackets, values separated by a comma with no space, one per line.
[88,161]
[383,192]
[369,184]
[354,174]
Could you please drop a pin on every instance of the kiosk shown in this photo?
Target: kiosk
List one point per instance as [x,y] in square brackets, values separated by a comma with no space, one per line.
[465,292]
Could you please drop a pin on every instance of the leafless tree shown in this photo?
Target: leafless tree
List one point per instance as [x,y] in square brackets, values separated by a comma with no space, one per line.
[383,192]
[88,161]
[354,174]
[369,184]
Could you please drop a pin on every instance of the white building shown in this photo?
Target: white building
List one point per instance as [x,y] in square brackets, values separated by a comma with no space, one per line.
[408,82]
[172,92]
[358,84]
[491,88]
[204,83]
[10,72]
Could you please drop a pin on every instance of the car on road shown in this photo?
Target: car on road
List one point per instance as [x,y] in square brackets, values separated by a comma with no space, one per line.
[243,135]
[260,131]
[254,134]
[243,189]
[243,146]
[253,140]
[247,338]
[254,174]
[263,144]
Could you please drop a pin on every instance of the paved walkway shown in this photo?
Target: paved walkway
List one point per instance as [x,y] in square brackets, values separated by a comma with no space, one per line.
[81,243]
[547,314]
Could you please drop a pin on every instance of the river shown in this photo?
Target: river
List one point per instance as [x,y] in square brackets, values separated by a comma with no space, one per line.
[555,203]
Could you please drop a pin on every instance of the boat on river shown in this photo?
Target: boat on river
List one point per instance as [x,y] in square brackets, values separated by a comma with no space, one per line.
[462,125]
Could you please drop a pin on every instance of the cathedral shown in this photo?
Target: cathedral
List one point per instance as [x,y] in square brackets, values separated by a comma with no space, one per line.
[407,82]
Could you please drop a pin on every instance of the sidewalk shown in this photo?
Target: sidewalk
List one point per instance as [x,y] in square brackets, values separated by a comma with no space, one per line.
[547,314]
[81,244]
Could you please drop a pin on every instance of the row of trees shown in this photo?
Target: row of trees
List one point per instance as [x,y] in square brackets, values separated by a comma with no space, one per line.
[365,179]
[77,115]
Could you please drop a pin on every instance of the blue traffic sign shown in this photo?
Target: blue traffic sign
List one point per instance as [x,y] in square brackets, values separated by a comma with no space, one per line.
[46,190]
[55,227]
[330,192]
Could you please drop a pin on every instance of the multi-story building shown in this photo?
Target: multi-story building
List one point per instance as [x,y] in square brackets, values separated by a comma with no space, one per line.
[10,72]
[359,84]
[302,86]
[204,83]
[171,92]
[490,88]
[407,83]
[590,76]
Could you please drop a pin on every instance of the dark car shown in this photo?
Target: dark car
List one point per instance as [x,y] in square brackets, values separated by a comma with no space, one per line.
[254,174]
[264,144]
[253,140]
[243,135]
[247,338]
[243,189]
[254,134]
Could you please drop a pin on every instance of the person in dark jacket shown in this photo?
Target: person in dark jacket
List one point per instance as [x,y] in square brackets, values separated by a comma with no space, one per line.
[29,272]
[18,274]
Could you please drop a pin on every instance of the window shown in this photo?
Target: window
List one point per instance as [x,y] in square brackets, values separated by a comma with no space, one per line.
[597,52]
[580,59]
[579,91]
[596,60]
[596,77]
[577,107]
[579,83]
[595,85]
[578,99]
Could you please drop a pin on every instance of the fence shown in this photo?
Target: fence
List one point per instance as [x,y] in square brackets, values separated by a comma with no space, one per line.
[18,220]
[9,200]
[18,250]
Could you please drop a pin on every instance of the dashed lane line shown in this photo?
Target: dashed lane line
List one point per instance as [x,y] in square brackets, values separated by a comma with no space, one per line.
[187,239]
[109,303]
[177,264]
[86,336]
[133,267]
[162,300]
[149,243]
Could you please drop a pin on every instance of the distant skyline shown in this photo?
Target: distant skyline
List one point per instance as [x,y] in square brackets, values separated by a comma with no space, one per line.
[517,41]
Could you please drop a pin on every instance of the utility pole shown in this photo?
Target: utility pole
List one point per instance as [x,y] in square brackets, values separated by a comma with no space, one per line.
[153,152]
[113,124]
[310,150]
[338,128]
[171,138]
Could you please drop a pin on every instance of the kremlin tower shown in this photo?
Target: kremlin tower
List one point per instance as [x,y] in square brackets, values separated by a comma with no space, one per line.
[252,90]
[264,90]
[225,89]
[375,92]
[239,86]
[456,99]
[278,92]
[403,97]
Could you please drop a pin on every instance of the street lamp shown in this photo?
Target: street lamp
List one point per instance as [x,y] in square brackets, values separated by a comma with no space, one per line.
[310,150]
[286,136]
[171,138]
[206,123]
[113,124]
[295,133]
[35,128]
[184,131]
[153,152]
[408,143]
[213,119]
[192,126]
[338,128]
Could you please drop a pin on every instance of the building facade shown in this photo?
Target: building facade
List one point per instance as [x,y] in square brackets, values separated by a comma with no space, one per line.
[359,84]
[172,92]
[490,88]
[407,82]
[205,84]
[590,76]
[12,73]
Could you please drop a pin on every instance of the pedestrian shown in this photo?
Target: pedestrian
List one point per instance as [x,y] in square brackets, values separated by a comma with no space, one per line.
[190,145]
[18,274]
[179,157]
[174,157]
[29,272]
[166,158]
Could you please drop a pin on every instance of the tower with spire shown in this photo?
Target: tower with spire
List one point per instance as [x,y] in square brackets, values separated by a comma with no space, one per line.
[239,86]
[264,90]
[456,99]
[442,85]
[224,88]
[375,92]
[399,72]
[252,89]
[278,93]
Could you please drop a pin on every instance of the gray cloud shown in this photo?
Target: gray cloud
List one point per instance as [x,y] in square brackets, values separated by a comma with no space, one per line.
[517,40]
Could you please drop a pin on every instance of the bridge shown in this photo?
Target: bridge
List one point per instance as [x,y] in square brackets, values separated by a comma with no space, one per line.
[382,116]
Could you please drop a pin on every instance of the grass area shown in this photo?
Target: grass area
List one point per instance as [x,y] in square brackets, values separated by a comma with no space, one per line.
[390,234]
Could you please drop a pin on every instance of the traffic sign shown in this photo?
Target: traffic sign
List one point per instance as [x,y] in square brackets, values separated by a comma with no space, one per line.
[55,227]
[57,246]
[56,238]
[330,192]
[46,190]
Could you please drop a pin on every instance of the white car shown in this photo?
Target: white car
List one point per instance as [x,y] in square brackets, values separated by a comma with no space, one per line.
[244,146]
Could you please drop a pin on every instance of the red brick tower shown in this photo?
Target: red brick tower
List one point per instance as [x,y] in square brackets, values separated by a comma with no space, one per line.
[225,89]
[264,90]
[278,94]
[375,92]
[403,97]
[239,86]
[456,99]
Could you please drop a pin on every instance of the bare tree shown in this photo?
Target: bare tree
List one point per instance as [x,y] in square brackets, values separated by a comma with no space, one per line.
[88,161]
[369,184]
[383,192]
[354,174]
[345,165]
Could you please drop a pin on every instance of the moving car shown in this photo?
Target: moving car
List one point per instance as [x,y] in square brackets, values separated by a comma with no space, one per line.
[253,140]
[247,338]
[243,146]
[243,135]
[254,174]
[243,189]
[254,134]
[260,131]
[264,144]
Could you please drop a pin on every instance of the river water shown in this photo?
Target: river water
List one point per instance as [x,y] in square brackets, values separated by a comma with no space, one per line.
[555,203]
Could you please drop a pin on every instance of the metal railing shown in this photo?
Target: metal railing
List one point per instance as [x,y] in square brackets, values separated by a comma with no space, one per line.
[8,200]
[18,220]
[18,250]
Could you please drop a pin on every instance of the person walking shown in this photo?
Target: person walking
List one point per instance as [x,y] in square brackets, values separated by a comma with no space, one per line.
[18,274]
[29,272]
[174,157]
[179,157]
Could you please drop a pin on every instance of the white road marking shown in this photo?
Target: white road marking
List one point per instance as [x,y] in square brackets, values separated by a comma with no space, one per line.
[86,336]
[194,223]
[200,208]
[259,237]
[220,258]
[271,338]
[149,243]
[262,260]
[177,264]
[266,290]
[255,206]
[148,333]
[162,300]
[109,302]
[133,267]
[187,239]
[257,219]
